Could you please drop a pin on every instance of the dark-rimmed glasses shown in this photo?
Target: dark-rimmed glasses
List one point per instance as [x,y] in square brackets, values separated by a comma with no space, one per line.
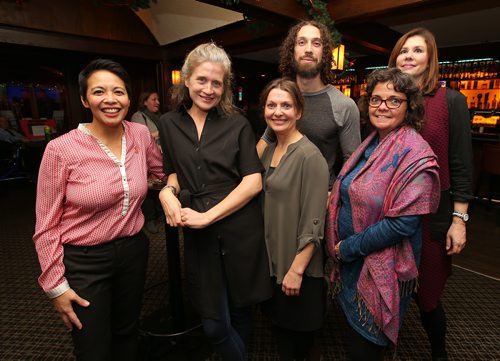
[391,103]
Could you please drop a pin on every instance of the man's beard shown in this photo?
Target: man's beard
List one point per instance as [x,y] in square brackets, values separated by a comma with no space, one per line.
[307,72]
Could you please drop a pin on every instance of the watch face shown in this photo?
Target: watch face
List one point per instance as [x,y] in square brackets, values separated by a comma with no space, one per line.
[462,216]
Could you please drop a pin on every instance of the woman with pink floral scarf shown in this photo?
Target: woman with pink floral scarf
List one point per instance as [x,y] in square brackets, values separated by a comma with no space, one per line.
[374,220]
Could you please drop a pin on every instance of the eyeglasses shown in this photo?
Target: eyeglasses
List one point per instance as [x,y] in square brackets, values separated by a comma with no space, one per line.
[391,103]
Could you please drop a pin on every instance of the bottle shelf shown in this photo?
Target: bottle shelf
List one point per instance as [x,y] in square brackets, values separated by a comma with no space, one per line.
[480,94]
[469,69]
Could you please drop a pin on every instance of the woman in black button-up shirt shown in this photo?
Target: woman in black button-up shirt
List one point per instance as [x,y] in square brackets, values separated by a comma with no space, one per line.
[210,157]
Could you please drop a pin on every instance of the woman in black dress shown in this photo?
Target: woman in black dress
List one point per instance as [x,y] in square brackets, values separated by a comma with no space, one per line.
[212,165]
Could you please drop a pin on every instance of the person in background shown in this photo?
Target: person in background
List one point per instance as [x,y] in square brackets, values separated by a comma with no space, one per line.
[374,219]
[415,53]
[92,252]
[149,115]
[330,119]
[295,192]
[149,112]
[212,165]
[9,135]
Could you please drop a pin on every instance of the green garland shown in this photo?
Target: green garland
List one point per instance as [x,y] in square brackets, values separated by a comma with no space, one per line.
[318,11]
[230,2]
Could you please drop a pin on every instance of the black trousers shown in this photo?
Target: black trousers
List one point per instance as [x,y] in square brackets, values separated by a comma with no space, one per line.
[151,207]
[359,348]
[111,277]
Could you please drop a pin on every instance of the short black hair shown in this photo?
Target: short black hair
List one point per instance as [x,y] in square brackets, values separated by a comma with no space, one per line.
[103,64]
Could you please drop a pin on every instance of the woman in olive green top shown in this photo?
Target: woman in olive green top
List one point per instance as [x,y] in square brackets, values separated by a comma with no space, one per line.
[295,196]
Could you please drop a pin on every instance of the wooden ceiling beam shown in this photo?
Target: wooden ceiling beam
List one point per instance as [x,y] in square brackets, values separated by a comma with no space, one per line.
[439,9]
[349,10]
[231,36]
[340,10]
[289,8]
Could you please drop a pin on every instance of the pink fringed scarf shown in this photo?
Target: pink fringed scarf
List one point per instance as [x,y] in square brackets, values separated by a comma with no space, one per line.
[389,185]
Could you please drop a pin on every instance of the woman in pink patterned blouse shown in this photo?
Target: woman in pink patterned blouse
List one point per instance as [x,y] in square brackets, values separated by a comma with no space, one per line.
[92,252]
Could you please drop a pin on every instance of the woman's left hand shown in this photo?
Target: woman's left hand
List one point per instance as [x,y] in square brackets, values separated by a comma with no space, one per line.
[456,237]
[193,219]
[291,283]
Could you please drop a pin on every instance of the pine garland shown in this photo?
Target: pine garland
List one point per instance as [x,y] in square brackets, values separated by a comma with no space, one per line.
[230,2]
[318,11]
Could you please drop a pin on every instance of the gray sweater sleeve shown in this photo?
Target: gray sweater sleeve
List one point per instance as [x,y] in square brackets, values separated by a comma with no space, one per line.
[349,133]
[268,136]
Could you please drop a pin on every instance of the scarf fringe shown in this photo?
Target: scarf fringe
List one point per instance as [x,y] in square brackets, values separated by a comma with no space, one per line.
[406,288]
[365,315]
[336,288]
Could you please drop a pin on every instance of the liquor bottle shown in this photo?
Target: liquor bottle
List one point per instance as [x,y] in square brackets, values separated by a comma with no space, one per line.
[472,103]
[486,103]
[473,70]
[479,101]
[456,71]
[489,69]
[482,69]
[461,71]
[496,69]
[467,70]
[47,131]
[494,102]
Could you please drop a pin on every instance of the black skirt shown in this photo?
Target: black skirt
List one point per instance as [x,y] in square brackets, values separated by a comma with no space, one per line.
[305,312]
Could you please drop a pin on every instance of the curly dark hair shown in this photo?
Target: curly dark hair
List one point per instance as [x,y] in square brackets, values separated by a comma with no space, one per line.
[287,57]
[402,83]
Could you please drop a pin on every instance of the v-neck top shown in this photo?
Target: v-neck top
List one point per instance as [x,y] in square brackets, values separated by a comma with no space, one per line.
[87,196]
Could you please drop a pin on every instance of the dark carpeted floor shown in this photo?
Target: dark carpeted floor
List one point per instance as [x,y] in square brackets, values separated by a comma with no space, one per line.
[31,330]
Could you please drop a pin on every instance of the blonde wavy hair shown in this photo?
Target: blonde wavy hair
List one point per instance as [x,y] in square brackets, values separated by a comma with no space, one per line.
[207,52]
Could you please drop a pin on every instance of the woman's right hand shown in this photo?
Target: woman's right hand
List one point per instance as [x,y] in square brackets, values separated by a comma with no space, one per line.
[171,207]
[63,305]
[291,283]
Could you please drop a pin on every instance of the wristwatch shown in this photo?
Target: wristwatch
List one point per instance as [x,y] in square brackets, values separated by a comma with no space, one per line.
[463,216]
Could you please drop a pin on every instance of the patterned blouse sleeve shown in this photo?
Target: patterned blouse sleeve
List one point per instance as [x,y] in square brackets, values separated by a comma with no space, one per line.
[51,190]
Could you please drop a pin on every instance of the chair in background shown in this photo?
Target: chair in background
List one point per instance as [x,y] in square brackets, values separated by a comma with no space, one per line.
[12,163]
[9,115]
